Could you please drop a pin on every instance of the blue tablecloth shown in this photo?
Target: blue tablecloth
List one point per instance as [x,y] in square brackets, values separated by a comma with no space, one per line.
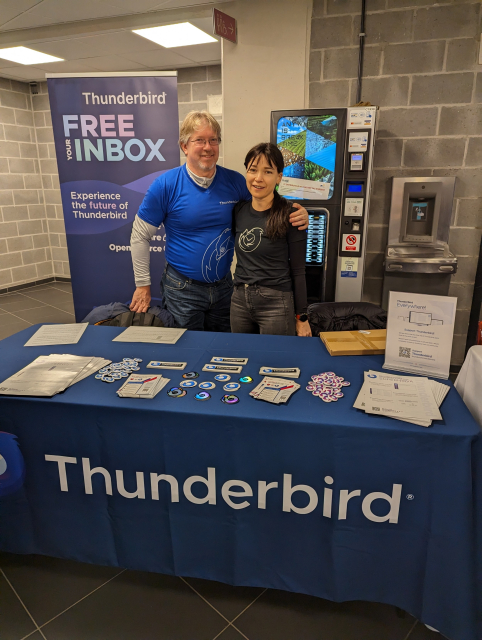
[335,524]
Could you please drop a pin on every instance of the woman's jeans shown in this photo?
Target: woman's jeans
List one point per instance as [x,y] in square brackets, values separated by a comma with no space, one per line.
[256,309]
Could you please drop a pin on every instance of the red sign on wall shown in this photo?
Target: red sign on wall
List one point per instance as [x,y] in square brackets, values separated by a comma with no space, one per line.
[224,26]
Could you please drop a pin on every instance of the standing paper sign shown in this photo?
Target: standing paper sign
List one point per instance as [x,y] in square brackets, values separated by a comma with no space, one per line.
[114,135]
[420,330]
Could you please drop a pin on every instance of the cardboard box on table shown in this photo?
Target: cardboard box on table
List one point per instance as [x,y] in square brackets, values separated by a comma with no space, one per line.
[355,343]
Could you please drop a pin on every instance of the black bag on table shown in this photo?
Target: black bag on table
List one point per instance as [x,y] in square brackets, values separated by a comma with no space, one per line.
[345,316]
[132,319]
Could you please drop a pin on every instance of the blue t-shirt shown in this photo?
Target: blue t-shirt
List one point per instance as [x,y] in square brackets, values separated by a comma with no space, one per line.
[198,221]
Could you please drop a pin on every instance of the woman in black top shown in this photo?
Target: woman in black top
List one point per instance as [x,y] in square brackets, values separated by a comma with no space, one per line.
[270,254]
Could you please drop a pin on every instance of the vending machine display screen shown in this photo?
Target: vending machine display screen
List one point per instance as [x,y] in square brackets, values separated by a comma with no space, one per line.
[308,145]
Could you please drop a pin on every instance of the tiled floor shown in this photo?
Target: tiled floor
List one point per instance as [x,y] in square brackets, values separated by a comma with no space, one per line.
[55,599]
[44,303]
[51,599]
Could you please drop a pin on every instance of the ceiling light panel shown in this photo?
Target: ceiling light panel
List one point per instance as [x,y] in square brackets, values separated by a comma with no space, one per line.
[175,35]
[24,55]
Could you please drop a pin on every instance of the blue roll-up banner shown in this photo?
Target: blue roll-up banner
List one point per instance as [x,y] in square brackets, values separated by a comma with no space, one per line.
[113,136]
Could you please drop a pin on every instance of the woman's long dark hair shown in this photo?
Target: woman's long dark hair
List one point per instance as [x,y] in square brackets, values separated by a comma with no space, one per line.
[278,219]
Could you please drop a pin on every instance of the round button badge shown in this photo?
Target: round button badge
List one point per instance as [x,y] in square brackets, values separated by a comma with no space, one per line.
[176,392]
[207,385]
[246,379]
[222,377]
[186,384]
[232,386]
[190,374]
[202,395]
[229,399]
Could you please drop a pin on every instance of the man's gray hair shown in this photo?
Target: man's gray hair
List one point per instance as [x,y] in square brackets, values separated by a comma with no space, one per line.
[194,121]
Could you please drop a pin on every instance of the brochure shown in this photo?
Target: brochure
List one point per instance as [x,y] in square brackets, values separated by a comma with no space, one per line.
[420,330]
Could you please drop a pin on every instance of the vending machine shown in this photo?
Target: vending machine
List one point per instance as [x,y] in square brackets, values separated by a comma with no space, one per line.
[328,156]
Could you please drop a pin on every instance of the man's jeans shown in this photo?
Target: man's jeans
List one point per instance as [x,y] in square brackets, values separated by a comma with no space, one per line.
[256,309]
[195,305]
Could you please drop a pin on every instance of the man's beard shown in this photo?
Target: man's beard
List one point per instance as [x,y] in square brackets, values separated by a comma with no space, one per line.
[207,164]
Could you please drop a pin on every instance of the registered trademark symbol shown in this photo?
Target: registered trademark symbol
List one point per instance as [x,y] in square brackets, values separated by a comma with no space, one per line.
[410,496]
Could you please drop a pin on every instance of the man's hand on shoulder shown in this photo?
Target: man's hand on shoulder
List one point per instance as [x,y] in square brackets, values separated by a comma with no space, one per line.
[299,218]
[141,299]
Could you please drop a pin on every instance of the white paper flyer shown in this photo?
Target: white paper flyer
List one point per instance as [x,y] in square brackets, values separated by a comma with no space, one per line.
[420,330]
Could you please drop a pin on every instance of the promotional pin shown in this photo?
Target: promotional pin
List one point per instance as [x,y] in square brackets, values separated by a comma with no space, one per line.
[99,376]
[222,377]
[202,395]
[190,374]
[176,392]
[186,384]
[108,379]
[207,385]
[229,399]
[232,386]
[246,379]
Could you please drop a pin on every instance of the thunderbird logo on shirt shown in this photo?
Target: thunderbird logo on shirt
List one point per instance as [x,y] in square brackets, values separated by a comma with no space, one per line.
[12,465]
[220,250]
[250,239]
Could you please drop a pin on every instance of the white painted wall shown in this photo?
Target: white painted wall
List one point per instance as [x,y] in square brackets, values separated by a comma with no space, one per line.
[265,71]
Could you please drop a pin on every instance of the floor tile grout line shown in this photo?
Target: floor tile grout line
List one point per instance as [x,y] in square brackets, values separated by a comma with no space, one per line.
[249,605]
[29,309]
[227,627]
[203,598]
[41,307]
[21,602]
[83,598]
[32,633]
[67,293]
[411,630]
[51,305]
[19,318]
[64,290]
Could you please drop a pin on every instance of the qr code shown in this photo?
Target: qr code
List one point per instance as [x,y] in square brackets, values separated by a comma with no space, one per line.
[404,352]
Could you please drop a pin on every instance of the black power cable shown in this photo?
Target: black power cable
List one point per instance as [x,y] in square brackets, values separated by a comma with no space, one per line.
[361,37]
[476,306]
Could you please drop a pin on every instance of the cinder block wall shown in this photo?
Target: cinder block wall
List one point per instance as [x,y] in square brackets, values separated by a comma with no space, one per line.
[194,86]
[25,254]
[421,69]
[33,244]
[50,182]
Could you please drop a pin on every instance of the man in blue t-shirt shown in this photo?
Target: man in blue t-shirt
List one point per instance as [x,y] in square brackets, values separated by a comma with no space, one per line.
[195,203]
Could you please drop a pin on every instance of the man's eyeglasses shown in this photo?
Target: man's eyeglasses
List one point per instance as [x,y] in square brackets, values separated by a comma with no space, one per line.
[202,142]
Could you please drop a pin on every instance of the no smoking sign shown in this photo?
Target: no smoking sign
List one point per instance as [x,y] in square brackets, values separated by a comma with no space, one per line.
[351,242]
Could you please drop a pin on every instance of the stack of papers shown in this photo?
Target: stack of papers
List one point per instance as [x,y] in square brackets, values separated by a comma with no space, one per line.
[154,335]
[50,334]
[48,375]
[142,386]
[410,399]
[293,372]
[274,390]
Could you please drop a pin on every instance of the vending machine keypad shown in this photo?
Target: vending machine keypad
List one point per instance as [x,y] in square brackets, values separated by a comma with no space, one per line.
[316,242]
